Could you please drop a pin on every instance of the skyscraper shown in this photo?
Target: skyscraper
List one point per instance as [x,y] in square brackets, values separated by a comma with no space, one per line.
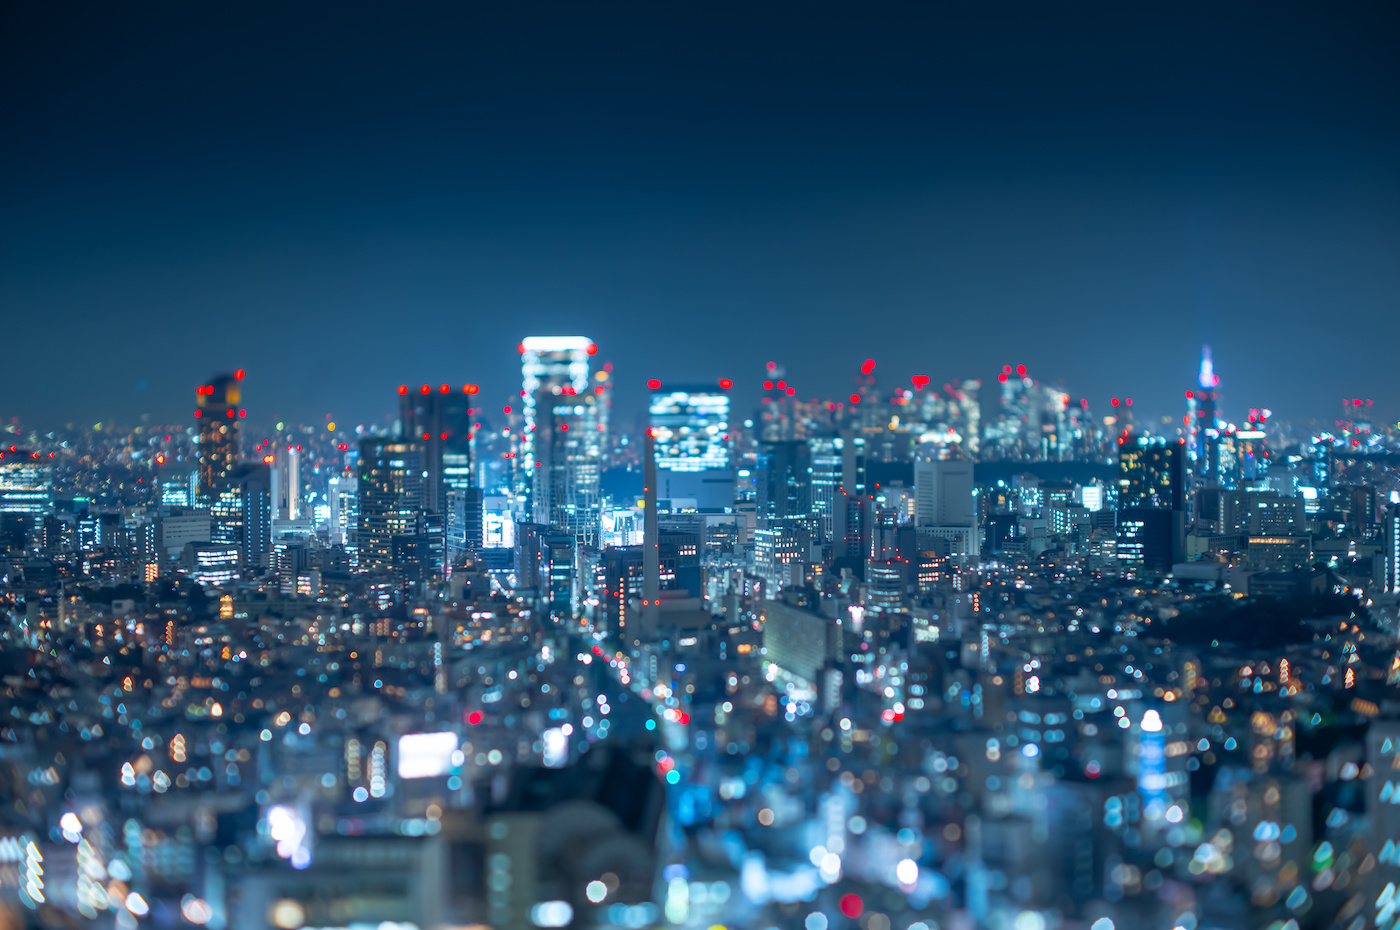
[218,413]
[391,497]
[241,514]
[1151,473]
[1151,503]
[26,482]
[693,444]
[1204,431]
[441,418]
[549,363]
[784,483]
[568,462]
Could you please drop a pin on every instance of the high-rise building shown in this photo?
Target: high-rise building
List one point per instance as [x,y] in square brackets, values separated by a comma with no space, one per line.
[568,462]
[342,492]
[241,514]
[693,445]
[943,493]
[1389,575]
[825,454]
[784,483]
[1204,432]
[1151,525]
[441,418]
[390,485]
[218,411]
[26,482]
[1151,473]
[548,363]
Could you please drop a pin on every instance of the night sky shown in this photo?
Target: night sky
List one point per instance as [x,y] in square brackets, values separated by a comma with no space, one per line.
[343,197]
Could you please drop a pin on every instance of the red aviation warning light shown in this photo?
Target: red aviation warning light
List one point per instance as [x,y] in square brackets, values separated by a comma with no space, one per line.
[1002,377]
[868,367]
[475,717]
[444,389]
[403,388]
[653,384]
[592,348]
[1021,370]
[238,375]
[725,384]
[1114,402]
[855,398]
[425,389]
[768,385]
[791,391]
[920,382]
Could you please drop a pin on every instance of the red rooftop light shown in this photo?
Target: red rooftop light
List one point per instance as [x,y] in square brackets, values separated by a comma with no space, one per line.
[238,375]
[425,389]
[444,389]
[768,385]
[1021,370]
[592,349]
[855,398]
[653,384]
[403,388]
[725,384]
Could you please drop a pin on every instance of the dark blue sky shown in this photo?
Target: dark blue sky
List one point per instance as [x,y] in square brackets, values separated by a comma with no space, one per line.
[342,197]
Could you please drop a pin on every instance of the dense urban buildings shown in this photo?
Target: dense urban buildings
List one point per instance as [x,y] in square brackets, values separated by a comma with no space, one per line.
[861,666]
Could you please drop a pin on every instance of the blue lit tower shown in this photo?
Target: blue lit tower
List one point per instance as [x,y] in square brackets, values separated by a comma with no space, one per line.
[1205,433]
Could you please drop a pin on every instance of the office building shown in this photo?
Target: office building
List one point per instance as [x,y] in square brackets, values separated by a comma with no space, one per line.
[212,564]
[390,484]
[1151,474]
[218,411]
[1150,539]
[26,482]
[1389,575]
[568,462]
[241,514]
[784,483]
[693,446]
[441,418]
[548,364]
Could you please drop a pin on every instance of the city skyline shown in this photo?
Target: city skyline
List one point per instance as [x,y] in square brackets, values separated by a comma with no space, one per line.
[1113,188]
[638,466]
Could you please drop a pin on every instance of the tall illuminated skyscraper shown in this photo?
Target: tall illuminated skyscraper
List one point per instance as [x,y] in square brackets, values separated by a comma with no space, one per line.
[548,364]
[441,418]
[241,514]
[568,462]
[390,485]
[217,409]
[693,444]
[1205,433]
[26,482]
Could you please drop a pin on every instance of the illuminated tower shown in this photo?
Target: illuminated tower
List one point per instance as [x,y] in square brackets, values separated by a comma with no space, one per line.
[218,413]
[693,444]
[390,487]
[441,418]
[550,363]
[1205,433]
[567,448]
